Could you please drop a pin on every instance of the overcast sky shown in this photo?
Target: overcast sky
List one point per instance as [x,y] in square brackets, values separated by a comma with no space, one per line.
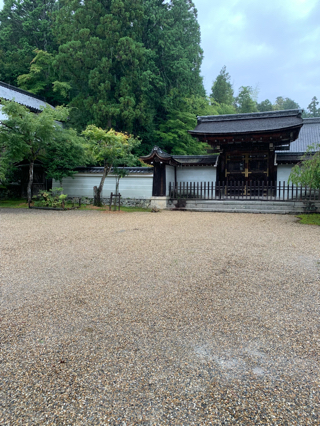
[269,44]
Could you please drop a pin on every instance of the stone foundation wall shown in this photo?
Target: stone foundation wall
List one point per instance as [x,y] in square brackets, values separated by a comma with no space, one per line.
[127,202]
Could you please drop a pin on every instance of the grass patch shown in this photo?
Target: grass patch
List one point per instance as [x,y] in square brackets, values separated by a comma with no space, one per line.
[310,219]
[134,209]
[14,204]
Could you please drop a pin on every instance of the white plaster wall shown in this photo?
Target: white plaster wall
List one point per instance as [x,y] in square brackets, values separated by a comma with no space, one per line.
[131,186]
[169,177]
[2,115]
[196,174]
[283,172]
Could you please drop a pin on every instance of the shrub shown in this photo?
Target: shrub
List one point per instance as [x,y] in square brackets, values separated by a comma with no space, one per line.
[51,198]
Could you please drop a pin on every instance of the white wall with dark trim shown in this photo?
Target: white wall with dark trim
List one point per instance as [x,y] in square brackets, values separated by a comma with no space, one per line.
[283,172]
[131,186]
[170,177]
[196,174]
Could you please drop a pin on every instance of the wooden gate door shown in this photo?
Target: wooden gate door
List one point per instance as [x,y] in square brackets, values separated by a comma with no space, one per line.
[159,180]
[244,169]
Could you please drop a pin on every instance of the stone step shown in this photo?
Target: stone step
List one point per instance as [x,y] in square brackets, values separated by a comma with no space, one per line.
[247,206]
[257,211]
[246,202]
[242,206]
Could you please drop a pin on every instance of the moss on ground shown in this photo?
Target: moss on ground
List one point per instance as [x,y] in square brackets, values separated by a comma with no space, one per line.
[310,219]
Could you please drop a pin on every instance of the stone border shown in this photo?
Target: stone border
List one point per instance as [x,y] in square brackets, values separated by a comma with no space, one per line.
[144,203]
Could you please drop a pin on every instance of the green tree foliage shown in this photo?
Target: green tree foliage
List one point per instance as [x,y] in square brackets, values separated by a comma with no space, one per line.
[63,154]
[28,136]
[116,63]
[244,102]
[222,91]
[264,106]
[103,60]
[285,103]
[107,148]
[25,25]
[42,79]
[122,60]
[307,173]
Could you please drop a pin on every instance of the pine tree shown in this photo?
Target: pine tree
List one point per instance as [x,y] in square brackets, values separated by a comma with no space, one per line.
[312,108]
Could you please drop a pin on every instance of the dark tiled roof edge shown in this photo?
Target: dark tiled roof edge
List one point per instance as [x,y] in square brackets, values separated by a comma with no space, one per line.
[24,92]
[311,120]
[195,157]
[140,170]
[250,115]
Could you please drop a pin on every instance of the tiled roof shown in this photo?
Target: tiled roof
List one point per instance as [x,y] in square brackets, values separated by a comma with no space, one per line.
[288,157]
[309,135]
[131,170]
[22,97]
[196,159]
[177,160]
[248,123]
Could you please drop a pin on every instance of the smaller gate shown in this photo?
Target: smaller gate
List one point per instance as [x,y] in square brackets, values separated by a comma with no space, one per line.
[116,200]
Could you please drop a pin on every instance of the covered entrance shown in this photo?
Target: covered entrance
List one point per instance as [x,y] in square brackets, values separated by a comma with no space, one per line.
[246,167]
[247,144]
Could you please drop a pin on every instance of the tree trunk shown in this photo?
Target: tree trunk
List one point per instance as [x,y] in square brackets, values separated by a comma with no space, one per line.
[98,189]
[30,182]
[117,184]
[96,197]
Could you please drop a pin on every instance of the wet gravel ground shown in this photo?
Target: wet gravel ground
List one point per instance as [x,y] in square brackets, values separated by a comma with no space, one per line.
[174,318]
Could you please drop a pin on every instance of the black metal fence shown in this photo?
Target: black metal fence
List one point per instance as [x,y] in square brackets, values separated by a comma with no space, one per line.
[266,191]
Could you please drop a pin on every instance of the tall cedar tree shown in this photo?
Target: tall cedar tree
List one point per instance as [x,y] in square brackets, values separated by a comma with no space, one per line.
[313,110]
[124,59]
[171,30]
[102,58]
[24,26]
[126,64]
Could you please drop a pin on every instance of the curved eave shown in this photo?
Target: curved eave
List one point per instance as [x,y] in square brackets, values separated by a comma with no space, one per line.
[248,132]
[156,158]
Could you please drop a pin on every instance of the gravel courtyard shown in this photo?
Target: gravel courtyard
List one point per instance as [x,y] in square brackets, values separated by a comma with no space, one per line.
[174,318]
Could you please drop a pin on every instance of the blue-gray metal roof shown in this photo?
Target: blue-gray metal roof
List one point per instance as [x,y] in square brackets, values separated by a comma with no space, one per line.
[22,97]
